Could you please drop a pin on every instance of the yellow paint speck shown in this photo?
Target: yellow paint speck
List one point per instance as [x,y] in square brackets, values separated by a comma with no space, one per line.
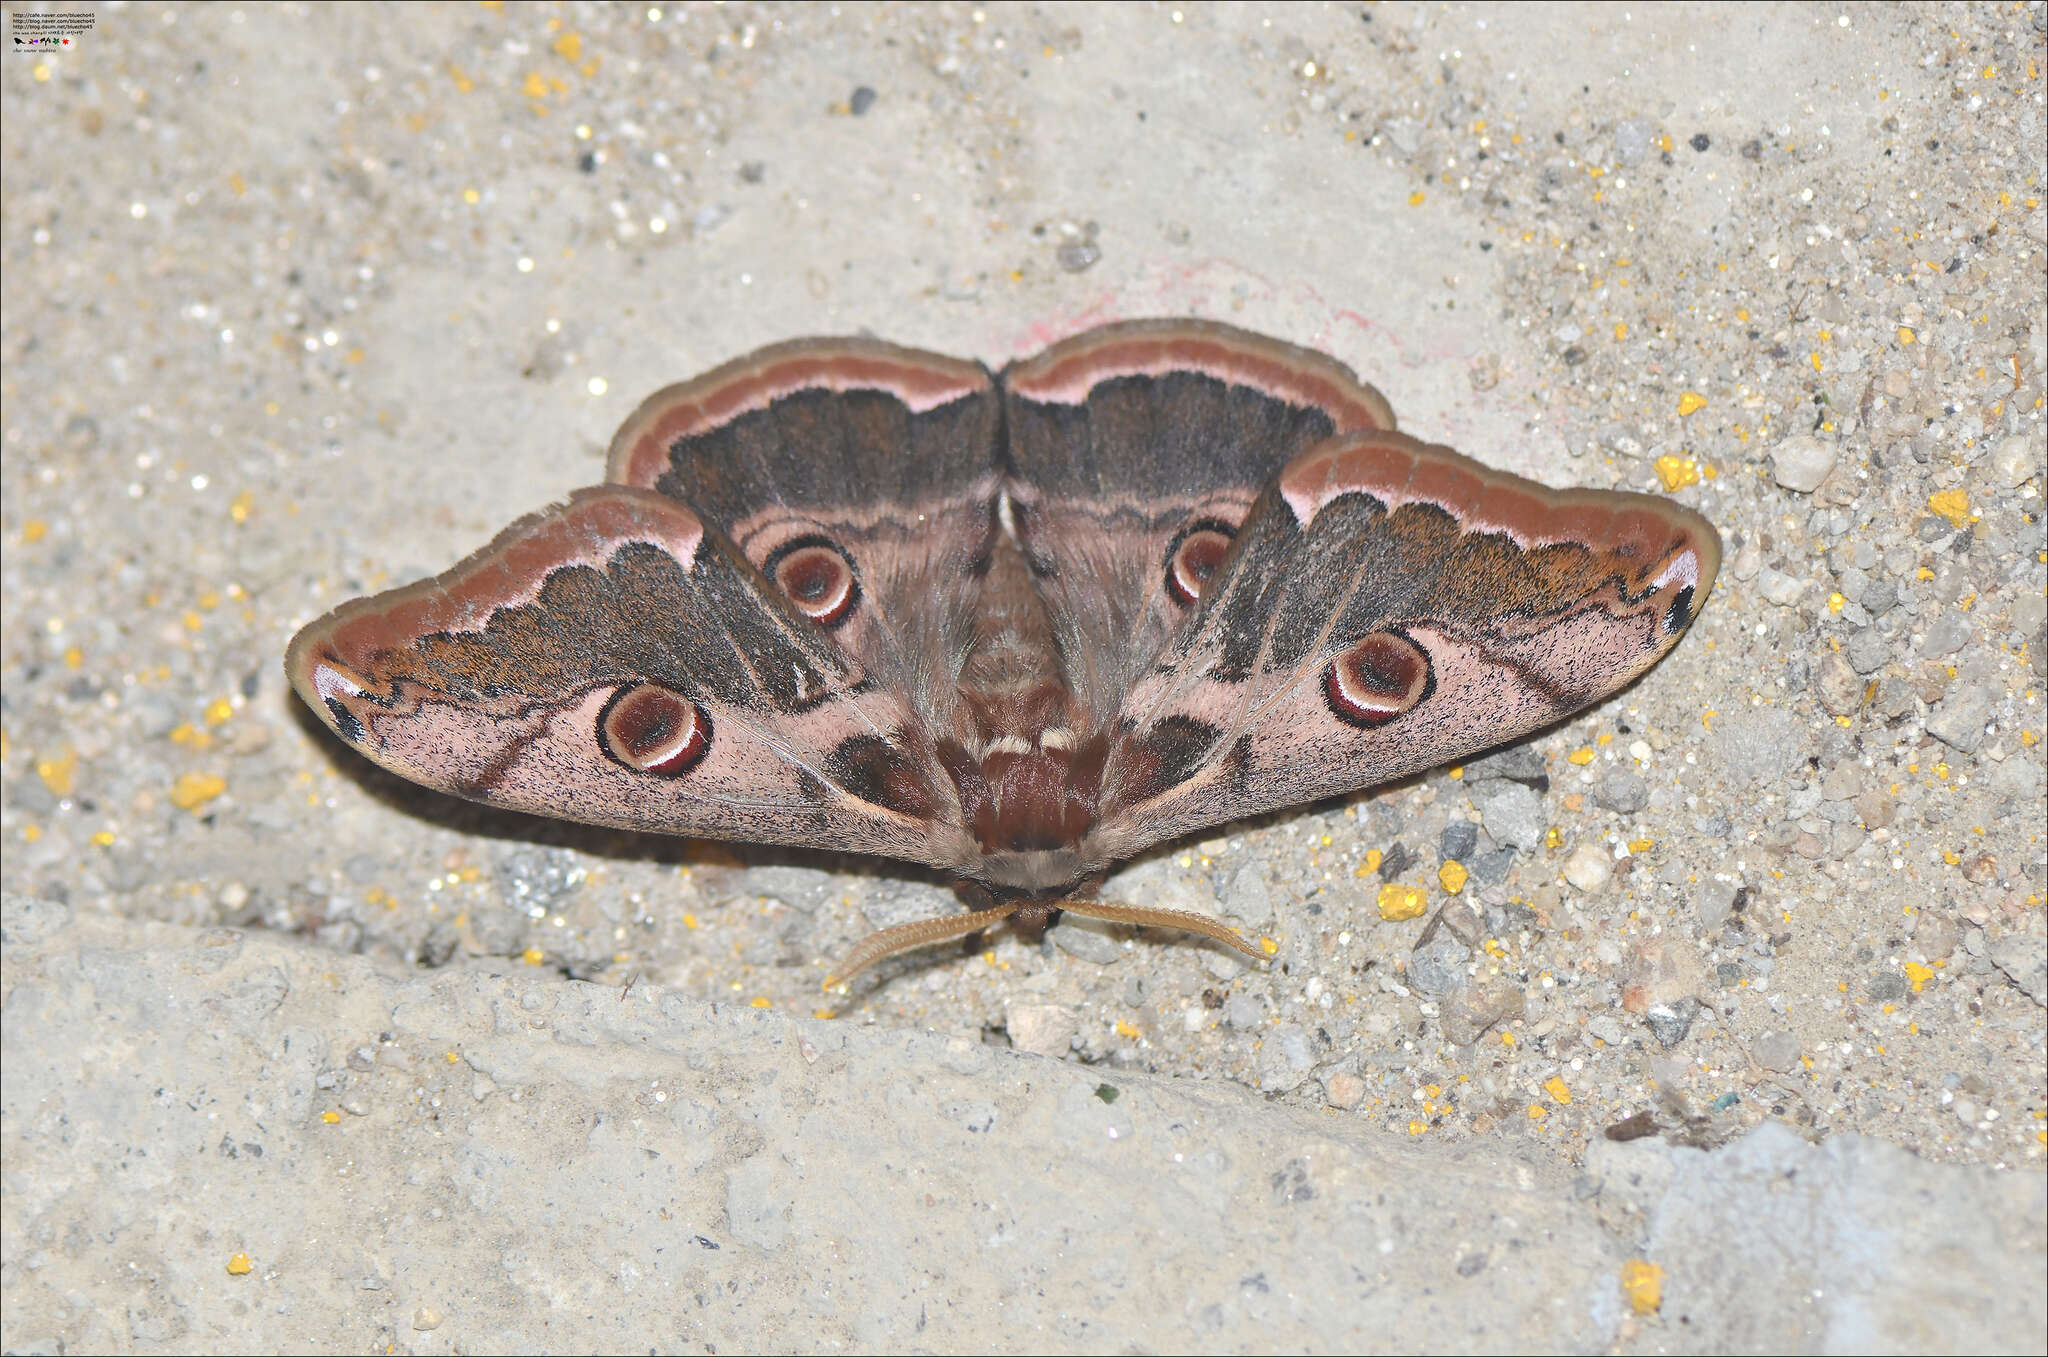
[762,1001]
[1398,902]
[1580,757]
[1452,876]
[1553,837]
[1905,335]
[1690,402]
[1836,602]
[1559,1094]
[1953,505]
[1677,472]
[244,504]
[535,86]
[219,711]
[34,531]
[1415,198]
[533,956]
[57,773]
[1918,974]
[569,47]
[239,1265]
[1643,1283]
[193,790]
[330,1116]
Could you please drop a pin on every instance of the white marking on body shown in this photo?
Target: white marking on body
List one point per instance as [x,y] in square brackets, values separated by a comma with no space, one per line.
[1007,744]
[1059,737]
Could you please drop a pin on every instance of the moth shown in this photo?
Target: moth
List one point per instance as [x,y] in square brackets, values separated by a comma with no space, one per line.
[1016,625]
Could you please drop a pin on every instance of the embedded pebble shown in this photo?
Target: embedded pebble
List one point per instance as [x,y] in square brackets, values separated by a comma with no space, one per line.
[1087,940]
[1839,685]
[1513,815]
[1778,587]
[1959,720]
[1670,1023]
[1458,840]
[1777,1051]
[1518,763]
[1801,463]
[1478,1009]
[1589,867]
[1343,1090]
[2017,460]
[1946,635]
[1623,790]
[1867,651]
[1438,966]
[1042,1029]
[1714,903]
[2024,959]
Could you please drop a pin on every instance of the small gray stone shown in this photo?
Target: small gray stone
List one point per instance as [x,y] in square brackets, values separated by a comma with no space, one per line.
[2024,959]
[1867,651]
[1670,1023]
[27,919]
[1086,940]
[861,100]
[1248,897]
[1759,744]
[1517,763]
[1241,1012]
[1946,635]
[1839,685]
[1801,463]
[1631,140]
[1042,1029]
[1458,840]
[1513,815]
[1487,868]
[2016,461]
[1437,967]
[1778,1051]
[1623,790]
[801,888]
[1473,1012]
[1714,903]
[1077,255]
[1960,719]
[1778,587]
[1887,988]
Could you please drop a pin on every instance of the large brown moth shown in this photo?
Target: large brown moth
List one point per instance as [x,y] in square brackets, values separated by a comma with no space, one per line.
[1018,626]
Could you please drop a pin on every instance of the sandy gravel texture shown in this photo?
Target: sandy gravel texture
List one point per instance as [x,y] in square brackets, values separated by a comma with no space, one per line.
[304,301]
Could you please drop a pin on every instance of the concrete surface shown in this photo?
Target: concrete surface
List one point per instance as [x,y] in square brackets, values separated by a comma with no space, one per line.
[301,301]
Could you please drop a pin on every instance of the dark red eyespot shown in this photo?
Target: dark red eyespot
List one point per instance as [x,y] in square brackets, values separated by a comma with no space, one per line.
[651,729]
[816,575]
[1377,679]
[1193,558]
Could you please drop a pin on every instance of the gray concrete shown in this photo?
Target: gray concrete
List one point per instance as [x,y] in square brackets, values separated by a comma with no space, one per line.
[301,301]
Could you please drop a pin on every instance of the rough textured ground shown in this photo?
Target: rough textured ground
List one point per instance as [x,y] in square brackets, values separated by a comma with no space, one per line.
[303,301]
